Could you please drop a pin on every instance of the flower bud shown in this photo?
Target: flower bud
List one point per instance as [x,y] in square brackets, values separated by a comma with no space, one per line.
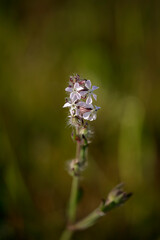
[117,195]
[115,198]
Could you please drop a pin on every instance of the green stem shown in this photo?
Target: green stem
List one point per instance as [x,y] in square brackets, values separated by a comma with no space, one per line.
[87,221]
[67,234]
[74,191]
[73,200]
[92,218]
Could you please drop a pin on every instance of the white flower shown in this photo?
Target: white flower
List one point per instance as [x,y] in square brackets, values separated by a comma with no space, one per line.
[89,92]
[73,108]
[74,92]
[92,114]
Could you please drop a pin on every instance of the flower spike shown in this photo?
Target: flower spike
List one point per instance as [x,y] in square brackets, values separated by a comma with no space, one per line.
[80,99]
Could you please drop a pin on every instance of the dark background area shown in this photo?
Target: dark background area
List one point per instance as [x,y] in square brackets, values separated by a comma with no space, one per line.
[115,44]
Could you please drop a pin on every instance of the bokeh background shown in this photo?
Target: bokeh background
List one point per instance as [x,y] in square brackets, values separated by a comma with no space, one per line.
[115,44]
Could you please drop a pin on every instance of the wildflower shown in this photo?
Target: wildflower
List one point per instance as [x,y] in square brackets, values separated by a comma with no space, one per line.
[89,92]
[73,107]
[92,114]
[82,110]
[74,91]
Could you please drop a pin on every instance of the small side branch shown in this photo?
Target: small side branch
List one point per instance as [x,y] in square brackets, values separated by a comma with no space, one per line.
[115,198]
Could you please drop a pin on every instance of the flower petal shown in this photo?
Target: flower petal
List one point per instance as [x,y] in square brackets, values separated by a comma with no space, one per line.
[95,96]
[94,88]
[94,116]
[83,93]
[66,105]
[79,88]
[88,84]
[89,106]
[72,95]
[89,100]
[76,85]
[90,118]
[78,95]
[74,99]
[69,89]
[86,115]
[81,104]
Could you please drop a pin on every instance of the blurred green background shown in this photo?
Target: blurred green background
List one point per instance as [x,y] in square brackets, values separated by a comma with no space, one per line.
[115,44]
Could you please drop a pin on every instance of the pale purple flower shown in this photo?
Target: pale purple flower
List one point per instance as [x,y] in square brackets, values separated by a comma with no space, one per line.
[85,105]
[92,114]
[77,105]
[83,108]
[89,92]
[74,91]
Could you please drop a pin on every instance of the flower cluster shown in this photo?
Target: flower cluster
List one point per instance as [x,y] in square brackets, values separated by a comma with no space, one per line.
[80,99]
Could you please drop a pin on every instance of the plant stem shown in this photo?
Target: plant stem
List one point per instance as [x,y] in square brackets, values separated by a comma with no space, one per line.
[117,199]
[74,191]
[87,221]
[67,234]
[73,200]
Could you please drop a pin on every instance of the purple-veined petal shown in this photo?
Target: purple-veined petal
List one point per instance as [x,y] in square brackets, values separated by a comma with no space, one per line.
[83,93]
[74,99]
[88,84]
[78,95]
[86,115]
[94,88]
[66,105]
[68,89]
[72,95]
[95,96]
[89,100]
